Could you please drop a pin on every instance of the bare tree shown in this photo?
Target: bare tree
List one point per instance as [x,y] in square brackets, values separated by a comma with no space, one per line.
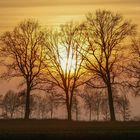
[22,53]
[92,101]
[65,62]
[53,101]
[33,103]
[22,101]
[105,32]
[88,104]
[76,107]
[1,105]
[10,104]
[123,106]
[133,69]
[105,108]
[42,108]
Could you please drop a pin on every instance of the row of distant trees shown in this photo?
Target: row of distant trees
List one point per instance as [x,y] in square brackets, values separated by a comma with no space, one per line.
[100,52]
[13,105]
[94,105]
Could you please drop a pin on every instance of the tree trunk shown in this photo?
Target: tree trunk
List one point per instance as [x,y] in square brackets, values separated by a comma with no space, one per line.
[124,115]
[69,112]
[111,104]
[51,113]
[97,115]
[76,114]
[27,104]
[69,115]
[90,114]
[11,115]
[69,106]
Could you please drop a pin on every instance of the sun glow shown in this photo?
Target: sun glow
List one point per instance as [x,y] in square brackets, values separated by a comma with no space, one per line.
[68,61]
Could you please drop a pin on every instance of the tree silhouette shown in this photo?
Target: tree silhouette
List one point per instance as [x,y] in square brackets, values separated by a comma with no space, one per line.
[76,106]
[105,34]
[92,52]
[123,105]
[22,53]
[133,68]
[92,101]
[52,99]
[65,62]
[41,107]
[10,104]
[105,108]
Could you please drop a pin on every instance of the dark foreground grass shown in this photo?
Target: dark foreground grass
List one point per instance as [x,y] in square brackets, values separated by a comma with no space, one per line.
[60,129]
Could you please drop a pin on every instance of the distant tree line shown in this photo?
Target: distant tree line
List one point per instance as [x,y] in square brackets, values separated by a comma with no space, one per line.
[94,105]
[94,63]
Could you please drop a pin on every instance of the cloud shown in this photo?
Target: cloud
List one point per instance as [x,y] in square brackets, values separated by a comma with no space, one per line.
[29,3]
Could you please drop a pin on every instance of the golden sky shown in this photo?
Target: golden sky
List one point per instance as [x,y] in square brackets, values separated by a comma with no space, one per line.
[55,12]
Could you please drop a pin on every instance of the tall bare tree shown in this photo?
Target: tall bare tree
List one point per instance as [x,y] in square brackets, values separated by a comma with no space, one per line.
[22,53]
[65,62]
[105,32]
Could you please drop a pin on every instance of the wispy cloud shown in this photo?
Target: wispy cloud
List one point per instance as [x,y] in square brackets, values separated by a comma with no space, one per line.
[29,3]
[49,13]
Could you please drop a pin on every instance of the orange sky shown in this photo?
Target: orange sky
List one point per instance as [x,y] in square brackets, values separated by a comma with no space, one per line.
[55,12]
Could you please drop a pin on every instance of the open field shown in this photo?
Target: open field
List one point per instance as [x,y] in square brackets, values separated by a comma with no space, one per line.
[60,129]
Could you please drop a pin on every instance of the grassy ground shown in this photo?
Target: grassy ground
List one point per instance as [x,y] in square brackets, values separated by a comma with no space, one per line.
[60,129]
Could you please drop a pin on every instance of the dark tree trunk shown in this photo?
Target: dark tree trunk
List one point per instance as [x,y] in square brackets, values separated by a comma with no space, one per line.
[97,115]
[27,104]
[76,114]
[69,114]
[90,112]
[11,115]
[69,106]
[51,113]
[111,104]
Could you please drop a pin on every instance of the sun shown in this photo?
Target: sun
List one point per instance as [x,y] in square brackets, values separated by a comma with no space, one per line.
[68,61]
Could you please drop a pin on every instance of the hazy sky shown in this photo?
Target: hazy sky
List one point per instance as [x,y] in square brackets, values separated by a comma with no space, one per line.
[26,3]
[55,12]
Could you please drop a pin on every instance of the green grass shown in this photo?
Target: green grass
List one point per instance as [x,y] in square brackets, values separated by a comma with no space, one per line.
[61,129]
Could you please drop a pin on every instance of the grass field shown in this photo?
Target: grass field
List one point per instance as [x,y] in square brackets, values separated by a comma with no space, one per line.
[61,129]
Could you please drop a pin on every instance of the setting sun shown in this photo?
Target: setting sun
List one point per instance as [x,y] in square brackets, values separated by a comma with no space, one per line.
[67,60]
